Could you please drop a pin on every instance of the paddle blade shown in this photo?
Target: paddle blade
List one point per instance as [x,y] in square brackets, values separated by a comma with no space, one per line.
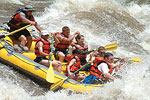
[50,74]
[113,46]
[57,84]
[135,60]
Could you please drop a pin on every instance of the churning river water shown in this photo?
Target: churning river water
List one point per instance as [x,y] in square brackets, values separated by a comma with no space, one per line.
[102,22]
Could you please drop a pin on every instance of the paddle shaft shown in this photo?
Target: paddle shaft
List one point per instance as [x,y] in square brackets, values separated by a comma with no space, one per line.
[52,47]
[107,47]
[3,36]
[87,52]
[132,60]
[59,83]
[79,69]
[19,30]
[50,57]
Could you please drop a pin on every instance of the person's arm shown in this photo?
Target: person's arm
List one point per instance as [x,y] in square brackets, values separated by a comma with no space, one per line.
[103,67]
[73,48]
[117,67]
[55,39]
[27,21]
[91,58]
[70,64]
[121,63]
[38,27]
[40,47]
[88,52]
[69,39]
[109,76]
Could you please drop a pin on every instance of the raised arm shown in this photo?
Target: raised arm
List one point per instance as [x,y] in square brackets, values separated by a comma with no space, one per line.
[55,39]
[69,39]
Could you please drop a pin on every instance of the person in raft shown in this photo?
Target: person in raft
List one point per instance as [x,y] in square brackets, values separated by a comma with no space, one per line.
[100,52]
[65,39]
[97,55]
[82,47]
[43,49]
[22,18]
[73,65]
[101,70]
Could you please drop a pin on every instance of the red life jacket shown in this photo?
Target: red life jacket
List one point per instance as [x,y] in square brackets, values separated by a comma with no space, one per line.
[99,58]
[82,49]
[17,22]
[75,66]
[37,39]
[68,58]
[46,47]
[94,69]
[62,46]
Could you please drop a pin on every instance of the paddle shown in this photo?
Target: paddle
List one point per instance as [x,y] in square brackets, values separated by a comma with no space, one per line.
[50,72]
[112,46]
[135,59]
[108,47]
[59,83]
[3,36]
[132,60]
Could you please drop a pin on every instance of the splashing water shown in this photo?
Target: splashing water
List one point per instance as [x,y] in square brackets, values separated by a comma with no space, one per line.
[101,22]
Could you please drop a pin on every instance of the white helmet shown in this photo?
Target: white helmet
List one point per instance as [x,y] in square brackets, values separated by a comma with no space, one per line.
[28,8]
[44,32]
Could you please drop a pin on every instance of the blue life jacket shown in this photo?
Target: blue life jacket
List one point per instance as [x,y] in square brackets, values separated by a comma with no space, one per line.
[19,10]
[89,79]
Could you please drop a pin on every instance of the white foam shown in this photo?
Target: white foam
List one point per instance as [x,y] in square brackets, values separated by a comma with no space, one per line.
[134,84]
[13,1]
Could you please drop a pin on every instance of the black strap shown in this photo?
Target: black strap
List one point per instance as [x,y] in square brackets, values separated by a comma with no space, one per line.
[2,47]
[103,62]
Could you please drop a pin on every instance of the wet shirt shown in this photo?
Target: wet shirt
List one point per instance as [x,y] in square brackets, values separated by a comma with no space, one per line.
[103,67]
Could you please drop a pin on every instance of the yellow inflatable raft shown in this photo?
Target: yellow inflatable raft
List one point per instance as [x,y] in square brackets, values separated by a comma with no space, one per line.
[24,62]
